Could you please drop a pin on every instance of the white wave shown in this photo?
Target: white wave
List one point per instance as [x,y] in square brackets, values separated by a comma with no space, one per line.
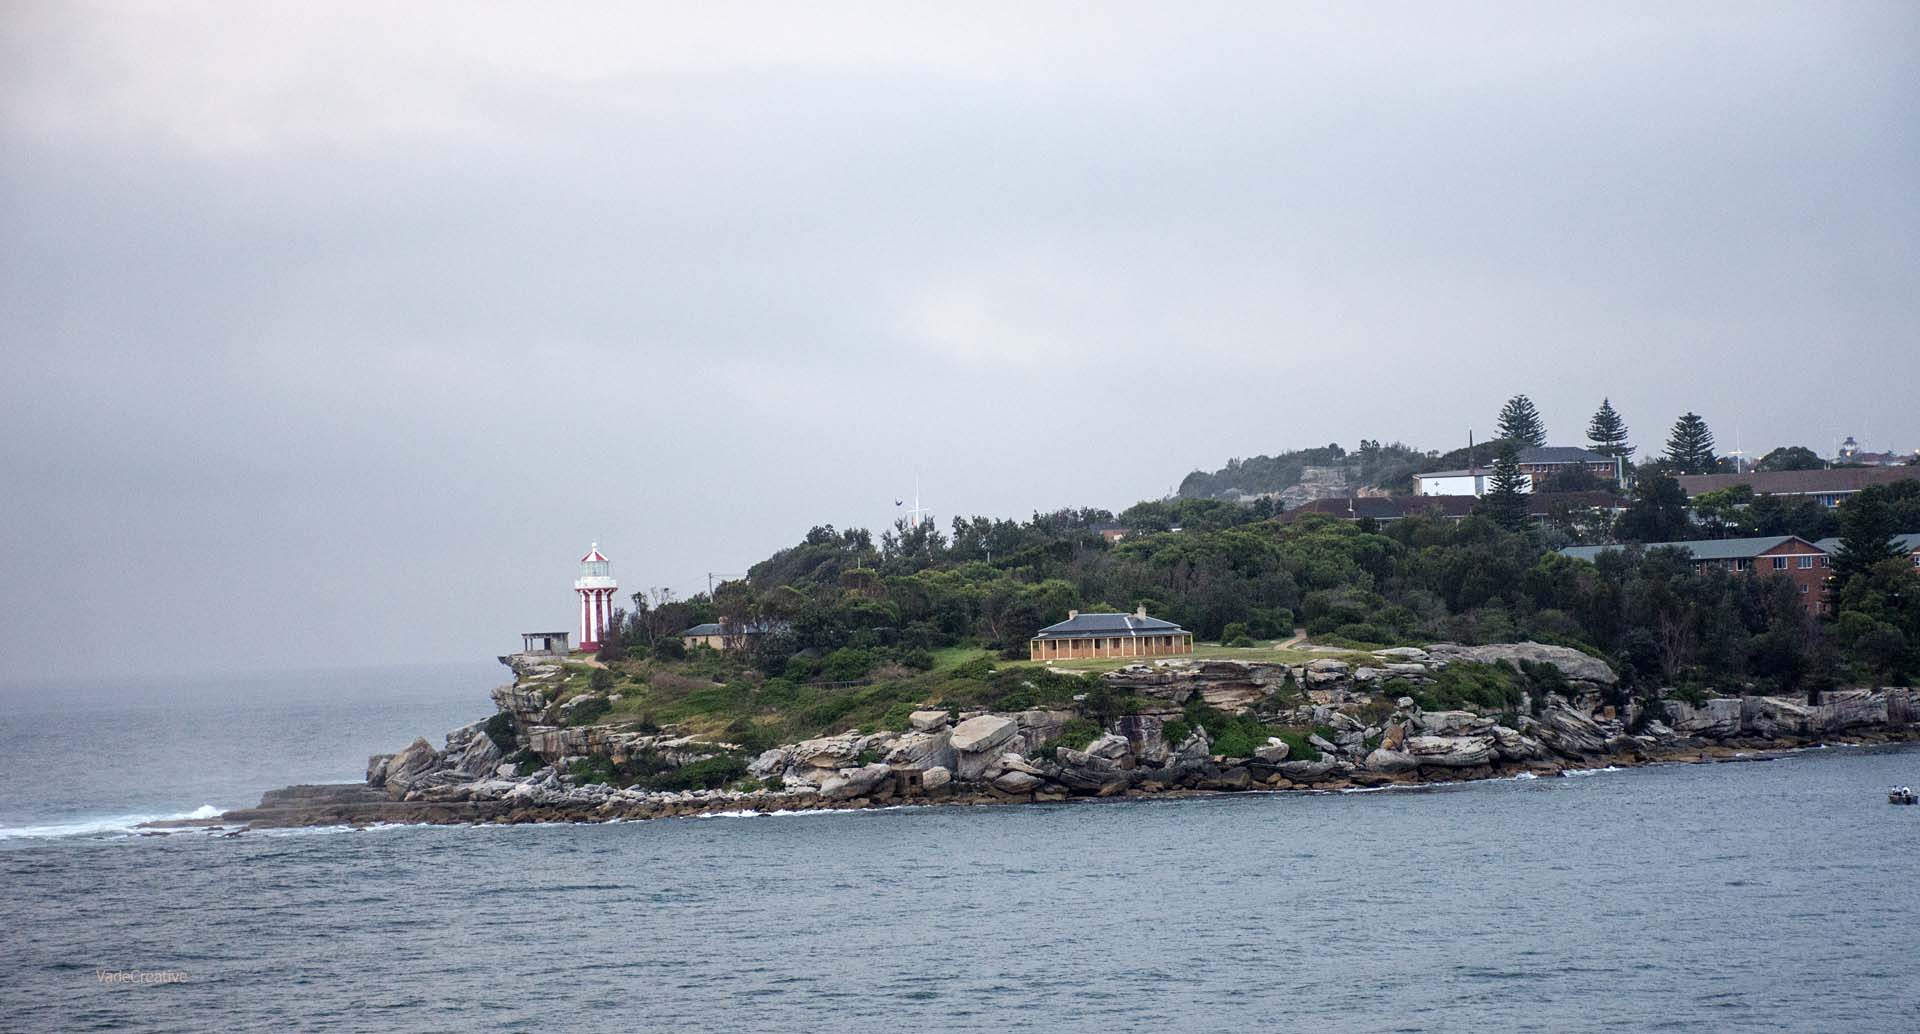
[1591,771]
[99,826]
[1525,775]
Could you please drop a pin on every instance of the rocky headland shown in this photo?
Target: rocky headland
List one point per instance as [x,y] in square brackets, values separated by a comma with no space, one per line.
[1323,724]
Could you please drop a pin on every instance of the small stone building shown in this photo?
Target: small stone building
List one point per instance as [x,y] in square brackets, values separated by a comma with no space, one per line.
[727,636]
[1109,635]
[544,644]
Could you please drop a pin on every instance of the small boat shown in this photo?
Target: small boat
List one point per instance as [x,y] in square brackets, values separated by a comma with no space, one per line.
[1900,795]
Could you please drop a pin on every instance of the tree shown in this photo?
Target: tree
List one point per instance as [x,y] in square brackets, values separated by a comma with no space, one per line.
[1867,534]
[1658,512]
[1690,446]
[1520,422]
[1608,432]
[1506,500]
[1790,457]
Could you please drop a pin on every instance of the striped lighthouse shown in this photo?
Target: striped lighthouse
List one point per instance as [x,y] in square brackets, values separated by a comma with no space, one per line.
[596,587]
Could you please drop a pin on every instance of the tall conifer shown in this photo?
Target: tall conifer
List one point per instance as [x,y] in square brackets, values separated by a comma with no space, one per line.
[1608,432]
[1690,446]
[1520,423]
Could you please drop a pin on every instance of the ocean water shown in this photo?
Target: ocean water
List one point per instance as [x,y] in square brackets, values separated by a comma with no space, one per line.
[1773,896]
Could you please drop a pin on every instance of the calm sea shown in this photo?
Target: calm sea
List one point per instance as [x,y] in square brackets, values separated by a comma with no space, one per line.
[1742,897]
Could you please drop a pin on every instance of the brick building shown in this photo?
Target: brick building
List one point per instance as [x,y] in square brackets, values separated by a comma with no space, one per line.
[1829,487]
[1805,563]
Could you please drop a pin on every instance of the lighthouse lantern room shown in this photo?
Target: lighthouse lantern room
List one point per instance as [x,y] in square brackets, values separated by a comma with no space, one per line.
[596,587]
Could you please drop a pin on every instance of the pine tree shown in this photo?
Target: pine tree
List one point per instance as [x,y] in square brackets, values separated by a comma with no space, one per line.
[1520,422]
[1506,500]
[1690,446]
[1608,432]
[1867,534]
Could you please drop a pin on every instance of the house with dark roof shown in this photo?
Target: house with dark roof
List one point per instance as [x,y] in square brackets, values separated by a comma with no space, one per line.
[1829,487]
[1538,463]
[1804,563]
[1909,544]
[1109,635]
[728,635]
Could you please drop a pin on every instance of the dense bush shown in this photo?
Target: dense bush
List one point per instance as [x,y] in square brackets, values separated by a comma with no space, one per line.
[500,730]
[588,710]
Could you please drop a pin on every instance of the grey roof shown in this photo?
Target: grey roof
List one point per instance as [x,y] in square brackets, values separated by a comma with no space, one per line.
[1562,454]
[757,628]
[1908,543]
[1482,471]
[1704,549]
[1108,624]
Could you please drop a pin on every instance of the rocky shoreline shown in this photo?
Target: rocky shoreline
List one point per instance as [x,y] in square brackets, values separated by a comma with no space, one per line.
[1364,736]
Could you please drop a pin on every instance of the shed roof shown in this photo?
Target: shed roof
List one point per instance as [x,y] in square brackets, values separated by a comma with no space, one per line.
[1562,454]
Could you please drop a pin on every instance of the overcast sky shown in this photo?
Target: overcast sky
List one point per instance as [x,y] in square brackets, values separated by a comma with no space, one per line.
[337,335]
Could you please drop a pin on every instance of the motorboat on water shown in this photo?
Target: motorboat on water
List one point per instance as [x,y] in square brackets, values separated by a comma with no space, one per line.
[1900,795]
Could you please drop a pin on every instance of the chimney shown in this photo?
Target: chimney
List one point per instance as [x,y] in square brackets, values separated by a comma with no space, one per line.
[1140,611]
[1071,614]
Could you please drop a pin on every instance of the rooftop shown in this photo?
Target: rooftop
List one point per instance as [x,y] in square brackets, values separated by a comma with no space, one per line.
[1109,624]
[1704,549]
[1799,482]
[1909,543]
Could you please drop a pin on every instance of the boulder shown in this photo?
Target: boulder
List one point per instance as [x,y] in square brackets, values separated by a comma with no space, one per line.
[410,765]
[928,721]
[977,735]
[377,769]
[827,751]
[1079,770]
[1036,728]
[1450,723]
[1512,745]
[769,763]
[1716,719]
[1322,745]
[1016,782]
[1109,746]
[480,756]
[1307,771]
[1144,736]
[935,778]
[1772,716]
[1576,666]
[1571,733]
[856,782]
[1850,708]
[1274,752]
[1402,653]
[1451,751]
[1395,736]
[923,750]
[1390,761]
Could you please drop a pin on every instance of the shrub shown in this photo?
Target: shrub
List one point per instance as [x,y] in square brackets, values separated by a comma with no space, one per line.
[588,710]
[1075,735]
[499,729]
[600,681]
[671,648]
[596,769]
[978,669]
[705,774]
[1469,684]
[526,762]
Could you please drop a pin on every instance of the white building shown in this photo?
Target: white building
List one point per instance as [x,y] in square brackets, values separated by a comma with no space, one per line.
[1460,482]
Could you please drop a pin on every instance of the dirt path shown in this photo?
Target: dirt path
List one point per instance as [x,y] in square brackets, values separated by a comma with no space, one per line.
[1299,636]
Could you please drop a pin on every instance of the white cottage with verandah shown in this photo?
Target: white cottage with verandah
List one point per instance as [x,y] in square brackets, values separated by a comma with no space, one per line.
[1109,635]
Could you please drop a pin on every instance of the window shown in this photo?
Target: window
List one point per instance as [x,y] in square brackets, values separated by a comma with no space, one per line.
[1779,563]
[1805,564]
[1803,590]
[1823,561]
